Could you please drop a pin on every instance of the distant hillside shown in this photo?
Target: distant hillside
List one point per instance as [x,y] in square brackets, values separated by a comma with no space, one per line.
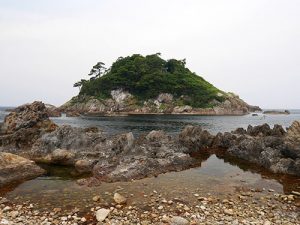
[146,77]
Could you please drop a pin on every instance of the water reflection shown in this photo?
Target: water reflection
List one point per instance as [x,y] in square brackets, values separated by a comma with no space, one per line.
[174,123]
[216,174]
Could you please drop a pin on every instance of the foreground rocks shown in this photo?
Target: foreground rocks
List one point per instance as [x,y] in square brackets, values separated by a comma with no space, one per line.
[29,132]
[272,148]
[14,168]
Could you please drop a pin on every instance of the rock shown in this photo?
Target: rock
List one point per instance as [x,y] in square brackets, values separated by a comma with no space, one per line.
[62,157]
[225,140]
[177,220]
[119,199]
[267,222]
[296,193]
[53,111]
[101,214]
[228,212]
[14,168]
[194,138]
[28,116]
[293,133]
[96,198]
[165,98]
[24,125]
[276,112]
[182,109]
[84,166]
[7,208]
[119,95]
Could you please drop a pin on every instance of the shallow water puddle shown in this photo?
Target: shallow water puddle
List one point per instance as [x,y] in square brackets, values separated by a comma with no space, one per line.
[215,177]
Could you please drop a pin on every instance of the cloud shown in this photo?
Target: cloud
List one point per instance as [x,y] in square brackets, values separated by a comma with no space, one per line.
[248,47]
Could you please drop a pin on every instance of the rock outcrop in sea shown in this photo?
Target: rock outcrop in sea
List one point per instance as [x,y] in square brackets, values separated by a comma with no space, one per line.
[124,103]
[28,132]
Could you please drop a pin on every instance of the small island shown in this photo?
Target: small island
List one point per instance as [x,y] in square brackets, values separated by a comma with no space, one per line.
[151,85]
[277,112]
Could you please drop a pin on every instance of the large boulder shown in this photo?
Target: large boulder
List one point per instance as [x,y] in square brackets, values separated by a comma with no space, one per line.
[24,125]
[33,115]
[14,168]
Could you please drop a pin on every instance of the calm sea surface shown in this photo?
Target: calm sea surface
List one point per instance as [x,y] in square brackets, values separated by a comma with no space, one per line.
[172,123]
[216,175]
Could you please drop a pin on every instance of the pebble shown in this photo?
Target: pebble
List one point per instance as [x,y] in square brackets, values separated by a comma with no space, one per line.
[101,214]
[119,199]
[96,198]
[228,212]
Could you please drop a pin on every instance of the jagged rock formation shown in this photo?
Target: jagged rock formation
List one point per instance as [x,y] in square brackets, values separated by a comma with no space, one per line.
[124,157]
[24,125]
[53,111]
[272,148]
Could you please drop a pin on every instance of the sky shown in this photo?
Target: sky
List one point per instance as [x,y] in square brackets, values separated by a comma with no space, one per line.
[251,48]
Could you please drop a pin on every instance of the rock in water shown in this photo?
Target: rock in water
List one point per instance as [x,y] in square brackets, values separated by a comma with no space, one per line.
[101,214]
[14,168]
[119,198]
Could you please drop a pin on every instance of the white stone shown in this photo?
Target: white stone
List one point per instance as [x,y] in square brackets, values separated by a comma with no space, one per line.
[101,214]
[119,95]
[119,198]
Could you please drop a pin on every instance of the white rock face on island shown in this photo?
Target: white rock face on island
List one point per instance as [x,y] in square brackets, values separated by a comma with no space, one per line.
[122,102]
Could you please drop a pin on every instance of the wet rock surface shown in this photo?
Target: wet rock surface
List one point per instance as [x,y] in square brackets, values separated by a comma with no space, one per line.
[15,169]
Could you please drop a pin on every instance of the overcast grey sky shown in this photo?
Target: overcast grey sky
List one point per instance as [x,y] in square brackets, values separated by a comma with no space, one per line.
[248,47]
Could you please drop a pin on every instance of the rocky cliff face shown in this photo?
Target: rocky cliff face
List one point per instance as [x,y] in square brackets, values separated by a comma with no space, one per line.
[122,102]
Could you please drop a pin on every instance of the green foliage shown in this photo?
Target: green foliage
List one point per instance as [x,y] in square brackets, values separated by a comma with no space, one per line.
[147,77]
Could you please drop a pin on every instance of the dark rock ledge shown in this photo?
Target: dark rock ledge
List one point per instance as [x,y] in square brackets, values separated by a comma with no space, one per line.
[29,133]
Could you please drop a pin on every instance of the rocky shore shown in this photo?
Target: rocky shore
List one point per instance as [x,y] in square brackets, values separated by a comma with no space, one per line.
[123,103]
[28,136]
[247,206]
[28,132]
